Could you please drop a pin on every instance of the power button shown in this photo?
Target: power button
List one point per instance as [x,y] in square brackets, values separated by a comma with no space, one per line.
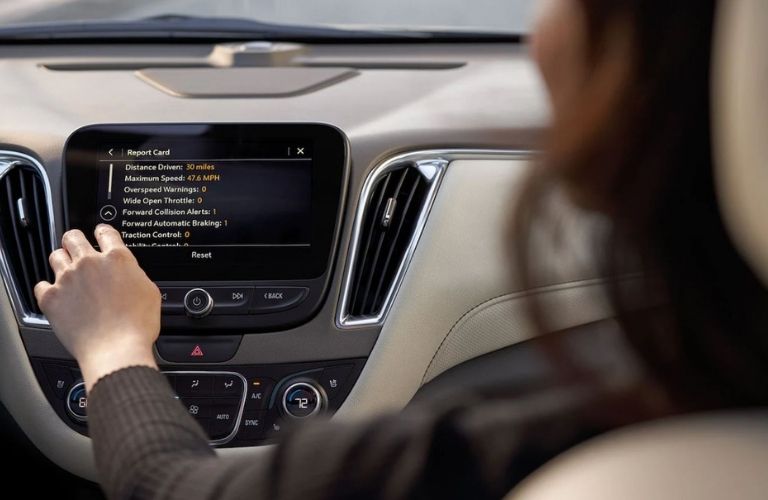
[198,303]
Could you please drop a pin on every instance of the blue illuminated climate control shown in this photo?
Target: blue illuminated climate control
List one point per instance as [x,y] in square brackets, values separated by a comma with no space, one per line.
[303,399]
[237,405]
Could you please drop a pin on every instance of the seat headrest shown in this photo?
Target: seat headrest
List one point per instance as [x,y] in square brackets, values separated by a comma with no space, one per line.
[740,120]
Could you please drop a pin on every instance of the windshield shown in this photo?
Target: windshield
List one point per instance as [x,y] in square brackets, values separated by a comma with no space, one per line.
[480,16]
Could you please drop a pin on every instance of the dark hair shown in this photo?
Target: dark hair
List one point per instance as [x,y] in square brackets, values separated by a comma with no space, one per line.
[643,157]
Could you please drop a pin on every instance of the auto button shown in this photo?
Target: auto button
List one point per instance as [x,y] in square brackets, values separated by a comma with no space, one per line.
[223,418]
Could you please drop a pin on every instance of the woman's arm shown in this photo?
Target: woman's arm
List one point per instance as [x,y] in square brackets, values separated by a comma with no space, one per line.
[147,447]
[102,306]
[106,311]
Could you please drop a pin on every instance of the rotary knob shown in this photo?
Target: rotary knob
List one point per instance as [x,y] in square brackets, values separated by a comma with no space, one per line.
[303,399]
[77,402]
[198,303]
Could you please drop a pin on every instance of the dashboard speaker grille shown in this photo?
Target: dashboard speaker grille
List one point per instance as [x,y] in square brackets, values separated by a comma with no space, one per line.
[394,206]
[25,229]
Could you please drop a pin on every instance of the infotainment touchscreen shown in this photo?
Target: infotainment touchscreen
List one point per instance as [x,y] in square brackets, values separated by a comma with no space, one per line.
[198,194]
[211,202]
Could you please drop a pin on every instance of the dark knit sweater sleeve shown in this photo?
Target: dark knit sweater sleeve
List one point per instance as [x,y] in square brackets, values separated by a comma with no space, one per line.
[146,446]
[145,443]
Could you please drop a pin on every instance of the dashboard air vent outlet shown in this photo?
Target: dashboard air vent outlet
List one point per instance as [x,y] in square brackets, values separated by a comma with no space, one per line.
[25,229]
[393,210]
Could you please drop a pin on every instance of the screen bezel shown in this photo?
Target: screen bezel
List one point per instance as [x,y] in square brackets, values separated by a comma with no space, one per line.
[329,166]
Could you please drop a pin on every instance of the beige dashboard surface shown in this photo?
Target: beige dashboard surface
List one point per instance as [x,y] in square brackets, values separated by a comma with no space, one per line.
[460,299]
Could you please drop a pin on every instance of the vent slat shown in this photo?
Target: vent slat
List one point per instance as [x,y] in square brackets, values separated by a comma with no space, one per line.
[17,238]
[35,267]
[26,242]
[383,245]
[368,236]
[43,231]
[382,239]
[378,298]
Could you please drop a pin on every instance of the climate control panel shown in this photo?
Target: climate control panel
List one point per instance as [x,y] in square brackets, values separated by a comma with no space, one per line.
[236,405]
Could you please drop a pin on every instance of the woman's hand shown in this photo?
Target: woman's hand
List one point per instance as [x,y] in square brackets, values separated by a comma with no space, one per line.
[103,307]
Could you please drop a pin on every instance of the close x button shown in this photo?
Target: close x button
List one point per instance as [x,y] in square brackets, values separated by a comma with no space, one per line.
[195,349]
[276,299]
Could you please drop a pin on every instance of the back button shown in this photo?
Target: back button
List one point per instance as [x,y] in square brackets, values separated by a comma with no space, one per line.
[276,299]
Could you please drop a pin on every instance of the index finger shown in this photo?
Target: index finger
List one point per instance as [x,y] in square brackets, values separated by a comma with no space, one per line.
[108,238]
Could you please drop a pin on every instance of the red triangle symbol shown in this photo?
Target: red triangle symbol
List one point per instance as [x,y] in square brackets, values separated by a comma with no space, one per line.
[197,352]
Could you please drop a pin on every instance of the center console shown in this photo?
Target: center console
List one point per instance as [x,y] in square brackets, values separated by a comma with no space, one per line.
[238,225]
[237,405]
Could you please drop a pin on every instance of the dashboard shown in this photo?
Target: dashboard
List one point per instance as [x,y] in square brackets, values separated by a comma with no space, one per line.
[327,237]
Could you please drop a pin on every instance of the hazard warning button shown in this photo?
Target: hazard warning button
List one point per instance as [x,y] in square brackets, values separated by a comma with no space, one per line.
[196,349]
[197,352]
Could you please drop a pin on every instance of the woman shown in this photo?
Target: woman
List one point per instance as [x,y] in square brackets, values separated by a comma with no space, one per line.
[630,138]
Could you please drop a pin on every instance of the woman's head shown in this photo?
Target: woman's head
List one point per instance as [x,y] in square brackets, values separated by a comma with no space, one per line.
[626,78]
[630,137]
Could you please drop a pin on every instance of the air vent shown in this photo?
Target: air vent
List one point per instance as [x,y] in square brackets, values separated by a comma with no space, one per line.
[25,230]
[393,209]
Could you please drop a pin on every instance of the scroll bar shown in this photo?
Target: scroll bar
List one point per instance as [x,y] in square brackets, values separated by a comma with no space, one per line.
[109,185]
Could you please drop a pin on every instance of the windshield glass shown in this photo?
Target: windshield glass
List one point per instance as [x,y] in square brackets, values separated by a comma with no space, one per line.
[481,16]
